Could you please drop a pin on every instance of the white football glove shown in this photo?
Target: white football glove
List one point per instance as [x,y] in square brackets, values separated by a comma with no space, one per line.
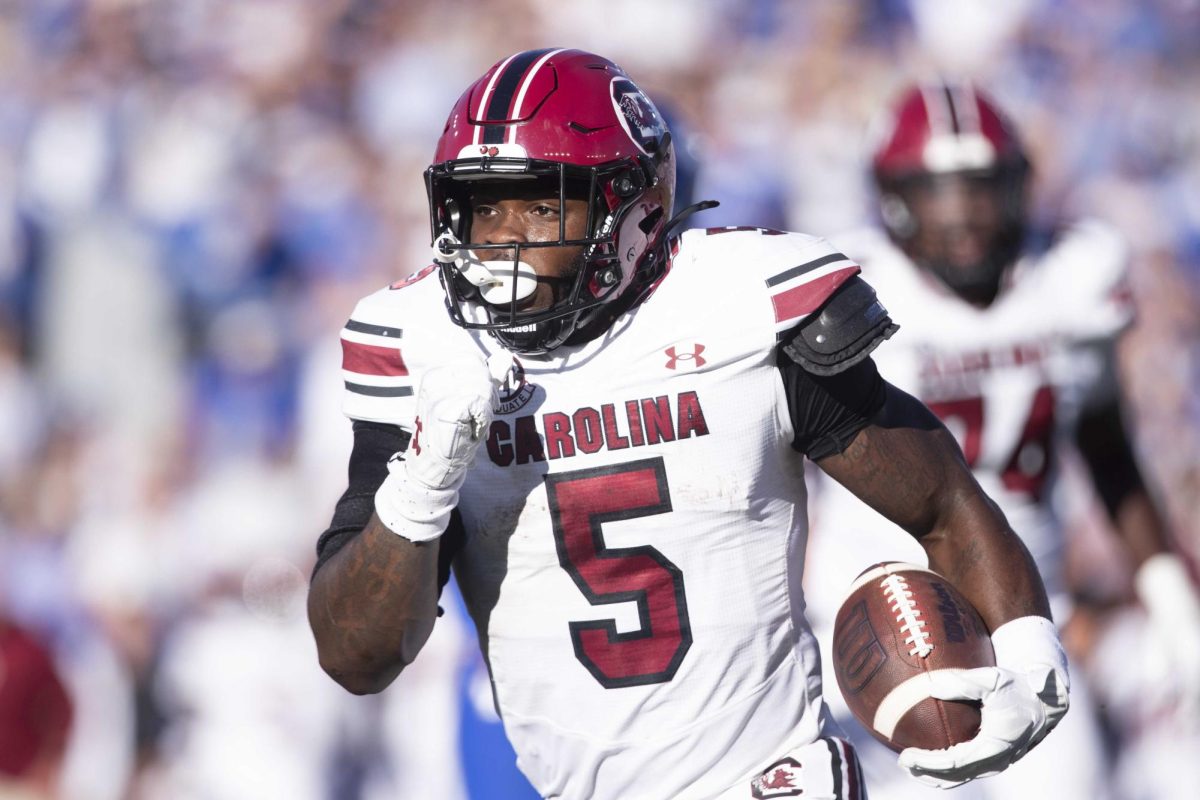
[1023,698]
[1173,612]
[454,412]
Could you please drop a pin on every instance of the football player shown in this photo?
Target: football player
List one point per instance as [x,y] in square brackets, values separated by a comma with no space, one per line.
[1013,349]
[600,427]
[35,715]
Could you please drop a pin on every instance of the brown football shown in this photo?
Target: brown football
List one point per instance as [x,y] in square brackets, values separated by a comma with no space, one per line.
[899,623]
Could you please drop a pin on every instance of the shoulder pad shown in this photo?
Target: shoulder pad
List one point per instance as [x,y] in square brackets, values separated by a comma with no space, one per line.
[376,377]
[1086,272]
[384,346]
[842,332]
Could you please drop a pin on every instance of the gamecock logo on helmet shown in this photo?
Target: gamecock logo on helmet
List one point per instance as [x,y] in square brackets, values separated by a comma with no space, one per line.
[638,115]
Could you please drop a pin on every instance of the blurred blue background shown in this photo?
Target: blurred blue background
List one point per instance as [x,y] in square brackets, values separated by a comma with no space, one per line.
[193,193]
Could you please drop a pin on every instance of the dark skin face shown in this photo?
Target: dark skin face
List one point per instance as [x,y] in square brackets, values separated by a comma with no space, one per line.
[518,212]
[959,221]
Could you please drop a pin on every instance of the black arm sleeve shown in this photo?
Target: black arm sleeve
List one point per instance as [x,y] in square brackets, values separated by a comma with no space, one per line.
[828,410]
[374,444]
[1103,442]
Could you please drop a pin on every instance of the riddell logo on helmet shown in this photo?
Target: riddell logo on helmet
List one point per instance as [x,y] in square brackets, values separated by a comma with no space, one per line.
[693,358]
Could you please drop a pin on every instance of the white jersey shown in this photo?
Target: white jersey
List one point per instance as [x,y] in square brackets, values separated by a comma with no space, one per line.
[635,522]
[1007,380]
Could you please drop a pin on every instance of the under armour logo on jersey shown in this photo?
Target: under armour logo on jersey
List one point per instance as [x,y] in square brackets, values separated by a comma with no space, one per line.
[674,356]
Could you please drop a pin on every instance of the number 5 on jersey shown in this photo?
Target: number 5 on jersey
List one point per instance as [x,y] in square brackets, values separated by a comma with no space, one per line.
[581,501]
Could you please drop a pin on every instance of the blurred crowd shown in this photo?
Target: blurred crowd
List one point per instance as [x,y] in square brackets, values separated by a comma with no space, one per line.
[194,192]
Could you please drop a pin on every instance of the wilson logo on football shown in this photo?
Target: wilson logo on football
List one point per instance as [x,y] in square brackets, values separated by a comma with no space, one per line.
[693,358]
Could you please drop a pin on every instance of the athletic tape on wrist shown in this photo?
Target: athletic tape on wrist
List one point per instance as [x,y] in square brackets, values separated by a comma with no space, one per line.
[414,511]
[1028,641]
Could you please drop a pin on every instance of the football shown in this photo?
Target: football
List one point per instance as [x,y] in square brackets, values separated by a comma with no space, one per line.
[899,623]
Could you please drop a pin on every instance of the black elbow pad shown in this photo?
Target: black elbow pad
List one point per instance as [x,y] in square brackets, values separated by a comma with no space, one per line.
[842,332]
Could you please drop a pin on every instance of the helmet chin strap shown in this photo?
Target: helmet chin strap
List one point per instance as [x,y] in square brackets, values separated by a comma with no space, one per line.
[499,282]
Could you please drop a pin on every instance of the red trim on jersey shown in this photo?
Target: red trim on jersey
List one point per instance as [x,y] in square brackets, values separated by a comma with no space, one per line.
[369,359]
[808,297]
[411,279]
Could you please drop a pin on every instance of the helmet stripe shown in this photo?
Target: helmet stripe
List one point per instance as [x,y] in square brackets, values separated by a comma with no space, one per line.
[499,106]
[955,127]
[480,112]
[968,108]
[936,111]
[516,111]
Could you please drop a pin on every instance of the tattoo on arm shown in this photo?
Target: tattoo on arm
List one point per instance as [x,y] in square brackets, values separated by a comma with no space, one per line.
[372,606]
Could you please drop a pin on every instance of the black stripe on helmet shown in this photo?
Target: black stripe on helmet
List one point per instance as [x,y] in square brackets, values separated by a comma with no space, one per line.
[955,125]
[502,95]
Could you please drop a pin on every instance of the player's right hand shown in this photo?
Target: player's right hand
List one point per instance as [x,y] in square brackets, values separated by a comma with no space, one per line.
[1019,707]
[454,412]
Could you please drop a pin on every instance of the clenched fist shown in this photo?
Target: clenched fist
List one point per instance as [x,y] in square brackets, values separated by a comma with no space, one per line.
[454,412]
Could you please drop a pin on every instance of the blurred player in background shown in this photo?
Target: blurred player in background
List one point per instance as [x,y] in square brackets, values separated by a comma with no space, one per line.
[35,717]
[1014,347]
[619,488]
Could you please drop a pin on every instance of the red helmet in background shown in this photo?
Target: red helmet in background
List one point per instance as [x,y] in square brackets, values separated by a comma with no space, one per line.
[576,119]
[953,135]
[946,127]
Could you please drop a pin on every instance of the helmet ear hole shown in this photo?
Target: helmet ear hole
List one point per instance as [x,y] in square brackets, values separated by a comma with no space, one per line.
[628,183]
[609,276]
[651,221]
[896,215]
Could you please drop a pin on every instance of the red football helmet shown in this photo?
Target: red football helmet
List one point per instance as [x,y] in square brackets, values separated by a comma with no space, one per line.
[952,178]
[577,119]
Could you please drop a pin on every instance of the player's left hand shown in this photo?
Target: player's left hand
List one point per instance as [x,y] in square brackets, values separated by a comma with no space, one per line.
[1019,709]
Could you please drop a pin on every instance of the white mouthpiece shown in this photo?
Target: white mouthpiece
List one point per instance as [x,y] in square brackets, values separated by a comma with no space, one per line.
[495,279]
